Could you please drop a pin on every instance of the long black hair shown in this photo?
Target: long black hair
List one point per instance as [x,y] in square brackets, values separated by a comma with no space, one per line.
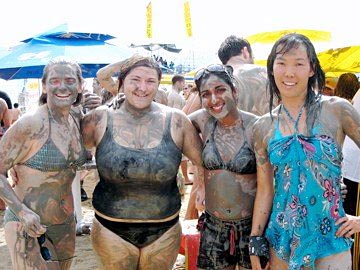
[285,44]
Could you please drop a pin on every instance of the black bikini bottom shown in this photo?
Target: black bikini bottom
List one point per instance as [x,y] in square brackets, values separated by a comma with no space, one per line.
[138,234]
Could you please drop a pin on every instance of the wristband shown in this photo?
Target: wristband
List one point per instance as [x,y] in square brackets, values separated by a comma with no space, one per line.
[259,246]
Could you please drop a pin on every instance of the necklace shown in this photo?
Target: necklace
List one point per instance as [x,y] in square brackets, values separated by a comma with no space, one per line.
[294,121]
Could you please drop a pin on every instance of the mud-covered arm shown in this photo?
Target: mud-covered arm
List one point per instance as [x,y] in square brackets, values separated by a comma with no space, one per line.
[14,146]
[192,144]
[93,126]
[265,189]
[350,120]
[105,77]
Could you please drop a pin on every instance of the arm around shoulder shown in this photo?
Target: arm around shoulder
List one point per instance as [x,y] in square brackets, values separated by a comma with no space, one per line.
[191,142]
[93,126]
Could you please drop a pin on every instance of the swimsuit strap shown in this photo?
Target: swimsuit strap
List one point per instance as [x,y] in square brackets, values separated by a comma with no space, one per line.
[295,122]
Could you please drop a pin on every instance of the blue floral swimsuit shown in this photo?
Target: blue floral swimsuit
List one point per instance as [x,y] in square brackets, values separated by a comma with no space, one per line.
[307,200]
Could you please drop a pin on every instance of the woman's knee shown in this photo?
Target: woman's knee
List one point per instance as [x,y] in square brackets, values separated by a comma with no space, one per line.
[339,261]
[162,253]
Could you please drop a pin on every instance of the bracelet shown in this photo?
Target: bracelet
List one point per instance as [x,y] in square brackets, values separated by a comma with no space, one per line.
[259,246]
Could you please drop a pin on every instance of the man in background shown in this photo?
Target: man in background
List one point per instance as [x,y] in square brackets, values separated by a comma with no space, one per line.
[15,113]
[175,100]
[253,95]
[5,119]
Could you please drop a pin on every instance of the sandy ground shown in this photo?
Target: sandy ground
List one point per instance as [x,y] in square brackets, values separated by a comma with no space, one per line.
[85,257]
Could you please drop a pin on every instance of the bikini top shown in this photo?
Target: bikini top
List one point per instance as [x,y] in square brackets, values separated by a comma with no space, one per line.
[244,162]
[50,159]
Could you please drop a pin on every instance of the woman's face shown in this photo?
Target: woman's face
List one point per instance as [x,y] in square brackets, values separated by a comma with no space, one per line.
[217,97]
[62,85]
[140,86]
[291,72]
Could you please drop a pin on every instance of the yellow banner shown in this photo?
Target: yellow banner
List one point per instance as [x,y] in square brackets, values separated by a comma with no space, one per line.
[187,17]
[149,20]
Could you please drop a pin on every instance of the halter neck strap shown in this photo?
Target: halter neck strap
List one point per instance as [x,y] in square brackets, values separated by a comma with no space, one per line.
[294,121]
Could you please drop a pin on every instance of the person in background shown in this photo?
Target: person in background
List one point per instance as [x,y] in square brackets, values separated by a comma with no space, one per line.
[175,100]
[5,117]
[186,91]
[161,96]
[139,145]
[46,148]
[252,94]
[298,154]
[15,113]
[195,204]
[230,170]
[7,99]
[348,85]
[330,84]
[5,120]
[105,95]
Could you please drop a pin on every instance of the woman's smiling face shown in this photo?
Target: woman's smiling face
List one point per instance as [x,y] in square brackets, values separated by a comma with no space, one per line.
[217,97]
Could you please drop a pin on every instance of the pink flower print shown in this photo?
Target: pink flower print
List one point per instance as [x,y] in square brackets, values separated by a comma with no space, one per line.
[295,202]
[329,192]
[334,210]
[308,147]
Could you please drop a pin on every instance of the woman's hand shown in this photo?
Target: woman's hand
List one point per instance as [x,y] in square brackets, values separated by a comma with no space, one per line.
[91,101]
[117,101]
[349,226]
[31,222]
[256,264]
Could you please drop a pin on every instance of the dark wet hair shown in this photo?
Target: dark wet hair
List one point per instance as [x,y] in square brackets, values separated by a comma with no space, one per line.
[222,71]
[137,61]
[284,45]
[347,86]
[64,62]
[232,46]
[177,78]
[7,99]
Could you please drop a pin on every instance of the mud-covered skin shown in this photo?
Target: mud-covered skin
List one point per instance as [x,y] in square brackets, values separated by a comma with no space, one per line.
[42,199]
[229,195]
[138,124]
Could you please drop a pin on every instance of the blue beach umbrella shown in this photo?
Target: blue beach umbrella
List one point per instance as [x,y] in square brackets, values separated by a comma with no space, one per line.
[90,50]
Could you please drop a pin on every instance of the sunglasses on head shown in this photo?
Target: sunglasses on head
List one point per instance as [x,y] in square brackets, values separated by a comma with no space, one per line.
[217,68]
[44,251]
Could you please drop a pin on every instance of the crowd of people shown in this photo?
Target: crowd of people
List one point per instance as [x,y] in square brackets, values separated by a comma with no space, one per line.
[264,142]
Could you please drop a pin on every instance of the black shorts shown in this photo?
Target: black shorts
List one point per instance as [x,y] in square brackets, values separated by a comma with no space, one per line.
[224,243]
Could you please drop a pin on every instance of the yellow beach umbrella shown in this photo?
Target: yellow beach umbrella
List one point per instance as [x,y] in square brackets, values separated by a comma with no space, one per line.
[261,62]
[341,60]
[271,37]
